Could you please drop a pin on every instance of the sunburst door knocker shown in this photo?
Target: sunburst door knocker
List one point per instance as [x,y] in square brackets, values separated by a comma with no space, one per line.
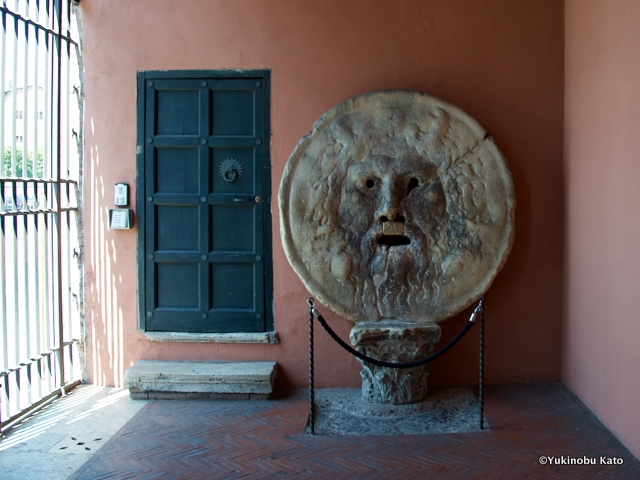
[230,170]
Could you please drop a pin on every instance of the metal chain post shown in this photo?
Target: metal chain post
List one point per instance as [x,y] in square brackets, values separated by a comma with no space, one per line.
[481,381]
[311,385]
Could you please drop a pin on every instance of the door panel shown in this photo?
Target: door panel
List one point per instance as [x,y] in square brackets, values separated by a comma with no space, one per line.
[230,220]
[232,286]
[171,274]
[232,112]
[178,228]
[177,112]
[177,170]
[205,181]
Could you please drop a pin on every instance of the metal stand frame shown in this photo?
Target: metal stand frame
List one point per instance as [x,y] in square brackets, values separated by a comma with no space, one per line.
[479,310]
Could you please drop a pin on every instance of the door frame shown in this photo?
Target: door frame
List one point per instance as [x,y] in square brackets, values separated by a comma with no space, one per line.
[263,76]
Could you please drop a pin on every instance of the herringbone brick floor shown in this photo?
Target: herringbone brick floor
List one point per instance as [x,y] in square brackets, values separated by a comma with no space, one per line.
[264,439]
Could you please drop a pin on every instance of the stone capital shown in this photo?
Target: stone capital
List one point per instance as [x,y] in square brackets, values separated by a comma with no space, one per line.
[395,342]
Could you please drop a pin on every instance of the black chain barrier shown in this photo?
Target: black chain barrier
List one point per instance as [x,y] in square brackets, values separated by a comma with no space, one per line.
[380,363]
[479,310]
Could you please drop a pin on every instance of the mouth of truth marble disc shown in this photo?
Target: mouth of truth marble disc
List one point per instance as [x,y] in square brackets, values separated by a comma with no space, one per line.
[397,206]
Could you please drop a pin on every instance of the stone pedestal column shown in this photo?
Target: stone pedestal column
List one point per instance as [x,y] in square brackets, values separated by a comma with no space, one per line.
[395,342]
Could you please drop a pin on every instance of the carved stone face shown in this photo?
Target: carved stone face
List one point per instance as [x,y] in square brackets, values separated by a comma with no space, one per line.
[397,206]
[389,208]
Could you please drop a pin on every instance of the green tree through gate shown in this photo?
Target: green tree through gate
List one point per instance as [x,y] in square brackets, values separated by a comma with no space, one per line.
[19,165]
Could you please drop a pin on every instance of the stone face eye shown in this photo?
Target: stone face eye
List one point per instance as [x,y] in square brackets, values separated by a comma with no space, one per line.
[413,183]
[368,183]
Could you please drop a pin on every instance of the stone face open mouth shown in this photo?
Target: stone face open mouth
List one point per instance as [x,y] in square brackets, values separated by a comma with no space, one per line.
[393,234]
[394,240]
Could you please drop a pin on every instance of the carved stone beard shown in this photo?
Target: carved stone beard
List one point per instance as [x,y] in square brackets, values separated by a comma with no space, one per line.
[399,275]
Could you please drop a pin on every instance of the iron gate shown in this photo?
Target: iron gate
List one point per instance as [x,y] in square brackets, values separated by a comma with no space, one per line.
[40,189]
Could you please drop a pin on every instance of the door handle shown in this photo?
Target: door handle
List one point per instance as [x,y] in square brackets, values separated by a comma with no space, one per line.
[258,199]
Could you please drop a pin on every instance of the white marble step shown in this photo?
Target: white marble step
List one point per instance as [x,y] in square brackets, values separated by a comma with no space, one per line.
[201,377]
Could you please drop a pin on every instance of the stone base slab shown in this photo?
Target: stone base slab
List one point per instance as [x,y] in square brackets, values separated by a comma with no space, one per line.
[342,412]
[184,379]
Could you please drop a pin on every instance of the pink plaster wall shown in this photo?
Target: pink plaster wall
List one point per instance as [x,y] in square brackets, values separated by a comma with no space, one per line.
[601,357]
[500,60]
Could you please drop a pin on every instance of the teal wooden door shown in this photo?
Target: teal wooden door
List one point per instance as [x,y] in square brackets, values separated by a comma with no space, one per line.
[206,216]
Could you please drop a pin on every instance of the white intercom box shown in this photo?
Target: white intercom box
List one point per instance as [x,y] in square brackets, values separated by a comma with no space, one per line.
[120,218]
[122,195]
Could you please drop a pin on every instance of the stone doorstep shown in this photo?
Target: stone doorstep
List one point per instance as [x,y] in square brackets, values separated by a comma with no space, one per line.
[192,380]
[151,395]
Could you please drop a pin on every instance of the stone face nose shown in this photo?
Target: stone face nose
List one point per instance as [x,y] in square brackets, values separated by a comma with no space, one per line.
[391,202]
